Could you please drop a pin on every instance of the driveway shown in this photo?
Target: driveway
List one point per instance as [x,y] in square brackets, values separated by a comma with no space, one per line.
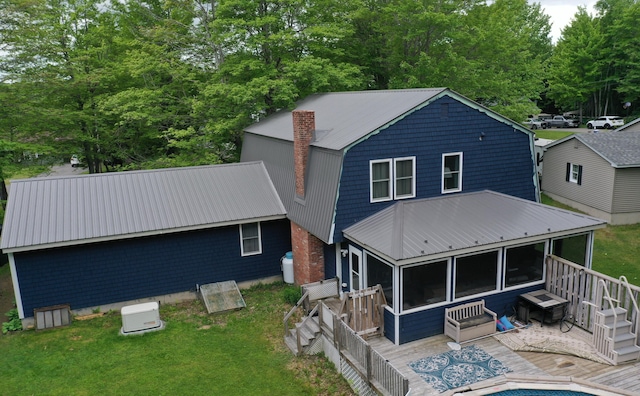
[63,170]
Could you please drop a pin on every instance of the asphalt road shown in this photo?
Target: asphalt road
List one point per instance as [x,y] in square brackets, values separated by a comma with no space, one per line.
[63,170]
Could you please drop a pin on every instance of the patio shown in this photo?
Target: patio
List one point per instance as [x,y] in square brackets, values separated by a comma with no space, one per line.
[542,368]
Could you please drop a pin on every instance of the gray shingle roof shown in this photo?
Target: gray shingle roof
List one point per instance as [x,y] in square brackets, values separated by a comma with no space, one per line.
[415,229]
[621,149]
[58,211]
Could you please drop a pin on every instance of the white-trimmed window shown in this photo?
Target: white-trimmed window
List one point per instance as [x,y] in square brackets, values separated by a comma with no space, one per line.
[392,179]
[451,172]
[404,176]
[380,180]
[250,239]
[574,173]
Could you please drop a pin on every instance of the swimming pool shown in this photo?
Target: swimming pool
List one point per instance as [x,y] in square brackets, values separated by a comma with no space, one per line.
[550,386]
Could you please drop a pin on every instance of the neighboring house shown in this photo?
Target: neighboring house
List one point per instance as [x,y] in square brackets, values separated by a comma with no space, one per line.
[422,191]
[99,241]
[633,126]
[597,173]
[539,149]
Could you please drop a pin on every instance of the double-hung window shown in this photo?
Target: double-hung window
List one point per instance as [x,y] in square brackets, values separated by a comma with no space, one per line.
[451,172]
[250,239]
[574,173]
[392,179]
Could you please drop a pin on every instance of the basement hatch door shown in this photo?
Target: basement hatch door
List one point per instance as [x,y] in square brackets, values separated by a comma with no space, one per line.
[222,296]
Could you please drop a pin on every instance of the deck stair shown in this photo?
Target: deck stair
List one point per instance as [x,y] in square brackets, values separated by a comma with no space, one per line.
[304,336]
[614,335]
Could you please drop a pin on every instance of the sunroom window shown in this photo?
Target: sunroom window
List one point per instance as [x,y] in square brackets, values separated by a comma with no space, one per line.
[572,248]
[380,273]
[524,264]
[424,284]
[476,274]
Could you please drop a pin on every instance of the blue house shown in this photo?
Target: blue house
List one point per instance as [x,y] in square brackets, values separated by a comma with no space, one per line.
[104,240]
[422,191]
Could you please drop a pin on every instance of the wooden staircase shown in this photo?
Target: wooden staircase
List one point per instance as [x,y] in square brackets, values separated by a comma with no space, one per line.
[302,338]
[615,337]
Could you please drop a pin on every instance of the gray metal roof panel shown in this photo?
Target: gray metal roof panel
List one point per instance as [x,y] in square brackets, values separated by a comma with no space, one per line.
[421,228]
[344,117]
[621,149]
[70,210]
[316,215]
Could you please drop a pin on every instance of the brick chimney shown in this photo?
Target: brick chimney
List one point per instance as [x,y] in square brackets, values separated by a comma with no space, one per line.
[304,124]
[308,250]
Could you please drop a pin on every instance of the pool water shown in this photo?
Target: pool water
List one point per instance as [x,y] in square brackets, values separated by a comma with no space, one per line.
[539,392]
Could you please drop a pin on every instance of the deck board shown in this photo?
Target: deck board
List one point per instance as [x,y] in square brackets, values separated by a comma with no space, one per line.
[523,364]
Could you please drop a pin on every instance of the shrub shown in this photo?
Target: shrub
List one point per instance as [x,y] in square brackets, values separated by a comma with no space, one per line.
[14,322]
[292,294]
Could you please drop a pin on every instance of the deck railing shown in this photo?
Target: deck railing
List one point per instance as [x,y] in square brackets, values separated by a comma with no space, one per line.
[585,290]
[373,367]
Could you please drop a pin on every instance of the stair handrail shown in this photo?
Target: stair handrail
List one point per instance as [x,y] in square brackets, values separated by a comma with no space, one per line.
[301,324]
[610,300]
[636,311]
[293,309]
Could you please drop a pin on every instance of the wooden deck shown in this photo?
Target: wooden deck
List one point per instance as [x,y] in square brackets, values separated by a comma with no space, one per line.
[534,366]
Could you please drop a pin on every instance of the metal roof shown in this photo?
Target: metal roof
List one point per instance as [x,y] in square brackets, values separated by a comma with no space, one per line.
[59,211]
[344,117]
[418,230]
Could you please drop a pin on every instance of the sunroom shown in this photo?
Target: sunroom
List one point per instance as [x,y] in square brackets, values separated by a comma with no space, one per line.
[434,253]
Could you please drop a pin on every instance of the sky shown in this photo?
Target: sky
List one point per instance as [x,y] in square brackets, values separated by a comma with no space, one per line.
[562,11]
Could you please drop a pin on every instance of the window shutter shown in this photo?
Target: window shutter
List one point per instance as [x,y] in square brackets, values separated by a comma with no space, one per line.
[579,174]
[568,175]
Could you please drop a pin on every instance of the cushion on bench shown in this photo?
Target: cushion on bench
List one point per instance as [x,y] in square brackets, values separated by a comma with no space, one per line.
[475,321]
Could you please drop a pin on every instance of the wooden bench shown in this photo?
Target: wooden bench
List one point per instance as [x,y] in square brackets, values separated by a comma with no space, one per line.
[468,321]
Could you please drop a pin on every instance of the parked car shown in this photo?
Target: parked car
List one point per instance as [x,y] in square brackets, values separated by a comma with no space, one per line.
[535,123]
[562,122]
[75,161]
[606,122]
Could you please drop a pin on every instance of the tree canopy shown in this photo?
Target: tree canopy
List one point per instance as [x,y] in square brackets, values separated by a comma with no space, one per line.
[131,84]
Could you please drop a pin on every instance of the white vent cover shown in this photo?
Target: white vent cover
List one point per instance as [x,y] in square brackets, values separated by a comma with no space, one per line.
[141,318]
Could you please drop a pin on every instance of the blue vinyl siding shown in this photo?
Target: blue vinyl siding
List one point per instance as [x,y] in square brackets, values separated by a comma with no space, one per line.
[430,322]
[389,325]
[110,272]
[501,162]
[329,261]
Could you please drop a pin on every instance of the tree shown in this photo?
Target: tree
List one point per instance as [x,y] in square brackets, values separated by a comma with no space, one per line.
[576,67]
[494,54]
[275,53]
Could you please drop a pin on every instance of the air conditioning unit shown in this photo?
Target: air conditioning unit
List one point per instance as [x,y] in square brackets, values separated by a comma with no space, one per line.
[141,318]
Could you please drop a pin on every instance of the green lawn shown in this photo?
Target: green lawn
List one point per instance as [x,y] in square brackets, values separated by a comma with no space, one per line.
[235,353]
[552,134]
[616,250]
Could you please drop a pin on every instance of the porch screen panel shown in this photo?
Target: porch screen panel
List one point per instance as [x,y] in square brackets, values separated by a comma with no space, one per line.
[380,273]
[424,284]
[524,264]
[476,274]
[573,248]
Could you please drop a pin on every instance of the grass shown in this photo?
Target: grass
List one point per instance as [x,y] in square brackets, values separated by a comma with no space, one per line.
[551,134]
[616,249]
[235,353]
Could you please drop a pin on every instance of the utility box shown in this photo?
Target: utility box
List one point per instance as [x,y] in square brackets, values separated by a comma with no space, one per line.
[141,318]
